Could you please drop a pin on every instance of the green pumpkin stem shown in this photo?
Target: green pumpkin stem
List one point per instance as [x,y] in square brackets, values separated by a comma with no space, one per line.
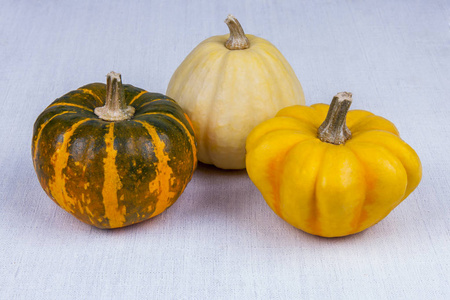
[115,108]
[334,129]
[237,39]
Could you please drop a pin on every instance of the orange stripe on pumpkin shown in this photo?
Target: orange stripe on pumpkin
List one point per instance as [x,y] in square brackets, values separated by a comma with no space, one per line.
[92,94]
[274,179]
[156,100]
[71,105]
[39,133]
[191,138]
[137,97]
[112,183]
[59,160]
[164,174]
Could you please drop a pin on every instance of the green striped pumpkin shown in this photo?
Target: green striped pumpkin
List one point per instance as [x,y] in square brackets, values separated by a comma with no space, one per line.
[112,174]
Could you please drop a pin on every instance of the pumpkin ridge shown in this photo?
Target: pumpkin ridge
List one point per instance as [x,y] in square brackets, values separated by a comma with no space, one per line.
[356,115]
[77,97]
[321,215]
[263,65]
[39,133]
[71,105]
[281,65]
[208,122]
[387,155]
[359,126]
[314,207]
[185,84]
[137,97]
[164,173]
[90,92]
[183,70]
[59,162]
[274,171]
[310,208]
[297,112]
[275,65]
[86,170]
[186,130]
[261,54]
[153,101]
[276,178]
[357,218]
[113,212]
[394,154]
[362,133]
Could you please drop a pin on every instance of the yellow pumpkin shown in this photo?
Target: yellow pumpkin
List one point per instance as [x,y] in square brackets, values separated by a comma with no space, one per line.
[333,178]
[229,84]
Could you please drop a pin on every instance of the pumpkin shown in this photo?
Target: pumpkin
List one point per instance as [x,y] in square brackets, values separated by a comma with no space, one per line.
[113,155]
[334,177]
[229,84]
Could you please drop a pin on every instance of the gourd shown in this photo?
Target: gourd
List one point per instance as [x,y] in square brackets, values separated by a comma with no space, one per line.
[113,155]
[334,177]
[229,84]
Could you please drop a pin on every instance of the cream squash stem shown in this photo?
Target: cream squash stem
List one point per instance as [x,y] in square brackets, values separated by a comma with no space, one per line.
[237,39]
[115,108]
[334,129]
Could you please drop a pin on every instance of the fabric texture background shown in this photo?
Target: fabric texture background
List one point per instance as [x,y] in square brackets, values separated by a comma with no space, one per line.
[220,240]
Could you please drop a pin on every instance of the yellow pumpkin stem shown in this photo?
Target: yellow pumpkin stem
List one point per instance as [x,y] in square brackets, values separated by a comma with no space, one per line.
[334,130]
[115,108]
[237,39]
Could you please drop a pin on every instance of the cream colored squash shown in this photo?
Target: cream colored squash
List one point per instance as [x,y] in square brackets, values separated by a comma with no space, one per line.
[229,84]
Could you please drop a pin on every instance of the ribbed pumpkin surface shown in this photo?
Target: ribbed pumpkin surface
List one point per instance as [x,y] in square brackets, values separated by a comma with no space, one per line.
[226,93]
[326,189]
[113,174]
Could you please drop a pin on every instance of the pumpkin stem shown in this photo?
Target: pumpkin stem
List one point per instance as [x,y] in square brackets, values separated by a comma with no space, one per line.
[115,108]
[237,39]
[334,129]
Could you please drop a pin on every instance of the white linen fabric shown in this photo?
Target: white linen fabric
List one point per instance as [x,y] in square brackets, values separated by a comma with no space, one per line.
[220,240]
